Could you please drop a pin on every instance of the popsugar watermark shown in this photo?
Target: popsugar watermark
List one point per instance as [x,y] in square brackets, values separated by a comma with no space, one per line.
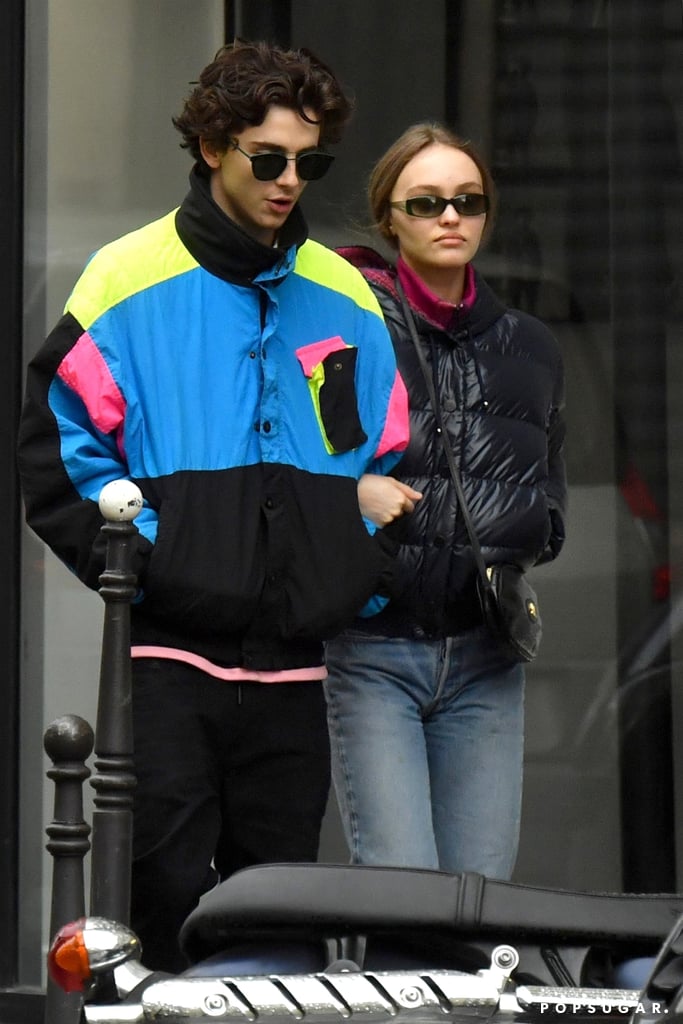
[604,1008]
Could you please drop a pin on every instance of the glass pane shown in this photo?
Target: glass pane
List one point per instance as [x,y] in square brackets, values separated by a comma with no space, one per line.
[578,107]
[104,80]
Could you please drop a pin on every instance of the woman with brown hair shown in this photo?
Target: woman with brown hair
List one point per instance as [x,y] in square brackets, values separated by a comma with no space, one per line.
[426,712]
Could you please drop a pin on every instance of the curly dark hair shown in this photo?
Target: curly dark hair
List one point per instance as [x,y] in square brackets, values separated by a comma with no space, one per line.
[237,88]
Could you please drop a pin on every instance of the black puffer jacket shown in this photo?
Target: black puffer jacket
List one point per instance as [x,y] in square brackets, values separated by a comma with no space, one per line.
[498,373]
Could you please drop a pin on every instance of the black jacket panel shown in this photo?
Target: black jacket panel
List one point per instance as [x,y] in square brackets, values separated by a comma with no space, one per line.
[499,377]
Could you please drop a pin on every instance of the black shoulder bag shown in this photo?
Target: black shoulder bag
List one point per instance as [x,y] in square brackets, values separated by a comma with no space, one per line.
[508,602]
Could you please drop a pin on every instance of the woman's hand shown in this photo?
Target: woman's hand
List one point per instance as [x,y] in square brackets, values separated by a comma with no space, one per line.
[382,498]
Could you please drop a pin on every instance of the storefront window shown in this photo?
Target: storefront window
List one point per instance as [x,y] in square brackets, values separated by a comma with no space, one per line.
[578,105]
[103,81]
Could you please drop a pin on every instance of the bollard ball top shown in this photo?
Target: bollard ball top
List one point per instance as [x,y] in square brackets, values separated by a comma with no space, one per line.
[120,501]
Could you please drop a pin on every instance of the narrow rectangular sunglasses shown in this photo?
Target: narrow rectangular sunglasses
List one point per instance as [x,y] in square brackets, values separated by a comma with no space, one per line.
[268,166]
[468,204]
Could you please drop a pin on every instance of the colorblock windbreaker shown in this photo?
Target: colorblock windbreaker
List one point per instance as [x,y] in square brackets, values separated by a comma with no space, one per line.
[244,390]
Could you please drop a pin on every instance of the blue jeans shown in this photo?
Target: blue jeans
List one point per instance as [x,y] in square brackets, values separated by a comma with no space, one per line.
[427,750]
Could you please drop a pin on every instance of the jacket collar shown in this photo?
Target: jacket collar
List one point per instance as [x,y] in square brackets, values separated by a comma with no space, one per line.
[421,297]
[224,248]
[379,273]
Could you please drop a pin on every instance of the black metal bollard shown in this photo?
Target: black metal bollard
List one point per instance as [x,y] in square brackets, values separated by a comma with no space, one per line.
[68,743]
[114,779]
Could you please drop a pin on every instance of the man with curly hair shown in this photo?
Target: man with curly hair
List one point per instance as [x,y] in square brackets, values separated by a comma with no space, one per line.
[241,375]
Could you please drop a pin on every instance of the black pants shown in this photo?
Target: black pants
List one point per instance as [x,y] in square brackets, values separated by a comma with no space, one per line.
[229,775]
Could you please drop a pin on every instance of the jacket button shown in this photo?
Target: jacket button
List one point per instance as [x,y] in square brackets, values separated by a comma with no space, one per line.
[439,541]
[266,427]
[269,503]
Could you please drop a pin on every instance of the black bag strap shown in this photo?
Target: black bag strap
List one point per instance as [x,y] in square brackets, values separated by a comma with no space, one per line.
[445,440]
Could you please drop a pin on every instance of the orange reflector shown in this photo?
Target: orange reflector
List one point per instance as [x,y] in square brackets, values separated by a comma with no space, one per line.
[68,961]
[72,956]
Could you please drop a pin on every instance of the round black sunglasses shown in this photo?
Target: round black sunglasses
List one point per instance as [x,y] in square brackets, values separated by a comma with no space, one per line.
[268,166]
[469,204]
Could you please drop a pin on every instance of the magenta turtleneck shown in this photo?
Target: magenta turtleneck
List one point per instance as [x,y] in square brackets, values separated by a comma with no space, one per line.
[423,299]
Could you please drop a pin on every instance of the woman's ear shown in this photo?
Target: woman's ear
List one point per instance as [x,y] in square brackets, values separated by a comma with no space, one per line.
[212,157]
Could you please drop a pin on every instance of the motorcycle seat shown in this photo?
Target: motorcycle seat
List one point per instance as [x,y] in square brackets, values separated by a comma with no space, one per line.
[324,900]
